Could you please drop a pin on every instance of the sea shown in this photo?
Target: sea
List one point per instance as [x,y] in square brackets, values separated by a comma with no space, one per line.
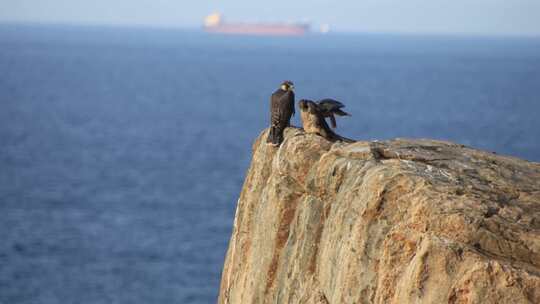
[123,150]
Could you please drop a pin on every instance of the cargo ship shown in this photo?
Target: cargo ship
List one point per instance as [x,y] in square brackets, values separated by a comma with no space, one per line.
[215,23]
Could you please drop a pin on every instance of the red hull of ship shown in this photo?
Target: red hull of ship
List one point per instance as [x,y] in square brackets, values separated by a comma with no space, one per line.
[256,29]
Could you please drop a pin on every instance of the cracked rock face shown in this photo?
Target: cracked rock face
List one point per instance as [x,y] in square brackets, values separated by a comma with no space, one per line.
[400,221]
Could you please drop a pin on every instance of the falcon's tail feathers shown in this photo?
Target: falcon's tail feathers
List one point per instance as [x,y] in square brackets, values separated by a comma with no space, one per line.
[345,139]
[336,137]
[275,136]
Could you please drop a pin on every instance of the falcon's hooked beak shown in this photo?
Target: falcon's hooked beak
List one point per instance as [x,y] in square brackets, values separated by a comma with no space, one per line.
[287,86]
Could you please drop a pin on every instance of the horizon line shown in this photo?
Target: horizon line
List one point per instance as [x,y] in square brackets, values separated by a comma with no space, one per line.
[200,28]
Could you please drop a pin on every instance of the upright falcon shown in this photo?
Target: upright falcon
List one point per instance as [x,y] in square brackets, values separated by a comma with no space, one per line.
[281,110]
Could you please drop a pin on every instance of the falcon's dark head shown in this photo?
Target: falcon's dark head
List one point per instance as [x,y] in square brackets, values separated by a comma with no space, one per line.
[287,85]
[307,105]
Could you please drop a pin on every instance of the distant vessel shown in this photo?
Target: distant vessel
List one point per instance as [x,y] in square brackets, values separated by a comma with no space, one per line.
[214,23]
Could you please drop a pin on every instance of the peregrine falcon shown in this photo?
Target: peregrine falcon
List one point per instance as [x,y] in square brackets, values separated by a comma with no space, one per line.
[329,107]
[281,110]
[313,121]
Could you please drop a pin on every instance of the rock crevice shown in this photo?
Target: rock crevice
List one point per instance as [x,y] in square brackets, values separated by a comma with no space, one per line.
[398,221]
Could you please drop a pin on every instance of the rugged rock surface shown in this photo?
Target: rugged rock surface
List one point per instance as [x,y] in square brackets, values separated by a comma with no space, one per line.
[400,221]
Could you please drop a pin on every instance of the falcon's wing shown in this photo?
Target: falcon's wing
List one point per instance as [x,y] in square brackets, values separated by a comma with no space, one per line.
[286,107]
[333,135]
[275,108]
[331,102]
[323,124]
[291,102]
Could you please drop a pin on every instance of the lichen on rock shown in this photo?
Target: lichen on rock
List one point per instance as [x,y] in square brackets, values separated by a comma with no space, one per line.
[398,221]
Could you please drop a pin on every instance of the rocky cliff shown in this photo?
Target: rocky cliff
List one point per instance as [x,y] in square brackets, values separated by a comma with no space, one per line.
[400,221]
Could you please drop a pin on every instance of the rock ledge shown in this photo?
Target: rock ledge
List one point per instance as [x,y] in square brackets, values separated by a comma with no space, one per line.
[399,221]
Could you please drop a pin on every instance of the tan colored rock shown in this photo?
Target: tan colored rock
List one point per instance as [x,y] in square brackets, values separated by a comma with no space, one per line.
[400,221]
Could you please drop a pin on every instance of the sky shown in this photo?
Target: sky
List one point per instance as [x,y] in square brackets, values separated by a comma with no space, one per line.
[492,17]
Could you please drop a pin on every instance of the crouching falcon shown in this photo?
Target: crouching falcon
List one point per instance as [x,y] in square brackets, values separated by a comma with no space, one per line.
[314,123]
[281,110]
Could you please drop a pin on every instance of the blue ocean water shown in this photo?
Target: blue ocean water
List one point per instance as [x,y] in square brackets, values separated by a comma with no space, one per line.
[123,151]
